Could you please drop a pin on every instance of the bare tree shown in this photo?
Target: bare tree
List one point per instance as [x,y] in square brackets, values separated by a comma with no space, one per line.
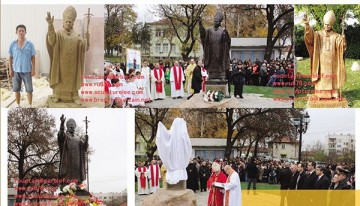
[31,146]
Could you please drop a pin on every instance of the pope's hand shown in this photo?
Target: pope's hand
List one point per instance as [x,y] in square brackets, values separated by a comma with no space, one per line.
[62,119]
[306,19]
[49,19]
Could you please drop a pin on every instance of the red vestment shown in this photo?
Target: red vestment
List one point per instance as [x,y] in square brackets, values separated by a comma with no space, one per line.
[216,197]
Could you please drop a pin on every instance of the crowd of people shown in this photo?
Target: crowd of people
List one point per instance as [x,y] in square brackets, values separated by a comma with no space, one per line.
[276,73]
[136,87]
[220,180]
[289,175]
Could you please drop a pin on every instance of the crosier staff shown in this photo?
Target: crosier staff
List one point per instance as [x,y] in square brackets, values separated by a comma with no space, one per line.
[342,33]
[87,155]
[87,34]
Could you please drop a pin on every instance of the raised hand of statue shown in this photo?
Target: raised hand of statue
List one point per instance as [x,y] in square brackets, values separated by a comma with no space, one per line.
[49,19]
[62,119]
[306,19]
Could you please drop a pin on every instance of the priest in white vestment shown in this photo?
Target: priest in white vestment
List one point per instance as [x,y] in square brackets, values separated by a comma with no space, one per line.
[142,176]
[232,188]
[145,75]
[204,75]
[176,81]
[141,87]
[174,148]
[157,83]
[154,176]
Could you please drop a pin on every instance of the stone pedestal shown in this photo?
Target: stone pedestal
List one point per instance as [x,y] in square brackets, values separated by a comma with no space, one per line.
[179,186]
[166,197]
[217,85]
[52,104]
[314,102]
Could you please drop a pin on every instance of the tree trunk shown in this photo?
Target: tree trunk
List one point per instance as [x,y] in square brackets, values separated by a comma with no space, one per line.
[290,50]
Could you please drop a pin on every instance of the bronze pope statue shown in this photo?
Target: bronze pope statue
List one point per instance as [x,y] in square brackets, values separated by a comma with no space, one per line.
[326,50]
[72,152]
[216,45]
[67,58]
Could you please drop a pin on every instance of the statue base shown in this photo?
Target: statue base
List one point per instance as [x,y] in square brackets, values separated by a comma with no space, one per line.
[167,197]
[314,102]
[217,85]
[60,104]
[179,186]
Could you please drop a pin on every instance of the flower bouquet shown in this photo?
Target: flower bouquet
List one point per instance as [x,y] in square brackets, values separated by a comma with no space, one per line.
[213,96]
[70,198]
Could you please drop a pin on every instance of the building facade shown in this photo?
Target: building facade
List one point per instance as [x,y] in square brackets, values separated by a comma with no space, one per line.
[165,44]
[285,148]
[338,144]
[252,48]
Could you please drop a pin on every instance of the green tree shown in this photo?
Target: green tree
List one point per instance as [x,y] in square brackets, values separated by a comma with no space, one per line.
[141,34]
[183,19]
[280,18]
[317,13]
[119,21]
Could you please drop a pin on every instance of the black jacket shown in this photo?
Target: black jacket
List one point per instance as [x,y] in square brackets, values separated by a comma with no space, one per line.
[238,76]
[285,178]
[196,79]
[322,184]
[310,181]
[301,182]
[252,170]
[293,181]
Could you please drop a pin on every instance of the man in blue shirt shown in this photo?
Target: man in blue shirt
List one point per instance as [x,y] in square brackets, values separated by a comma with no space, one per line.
[22,64]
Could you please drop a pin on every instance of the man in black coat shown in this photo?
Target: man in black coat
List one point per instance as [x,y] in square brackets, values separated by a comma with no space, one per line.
[311,176]
[192,181]
[321,183]
[252,174]
[196,79]
[284,179]
[204,174]
[239,80]
[292,201]
[300,181]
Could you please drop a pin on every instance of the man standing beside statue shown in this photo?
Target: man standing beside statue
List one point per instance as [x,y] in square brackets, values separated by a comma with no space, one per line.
[326,50]
[67,56]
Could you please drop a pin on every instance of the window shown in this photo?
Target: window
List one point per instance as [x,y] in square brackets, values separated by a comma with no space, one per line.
[173,48]
[165,48]
[283,146]
[157,48]
[158,33]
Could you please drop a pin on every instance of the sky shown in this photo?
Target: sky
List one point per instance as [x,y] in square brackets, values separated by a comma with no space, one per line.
[144,12]
[107,130]
[328,121]
[110,132]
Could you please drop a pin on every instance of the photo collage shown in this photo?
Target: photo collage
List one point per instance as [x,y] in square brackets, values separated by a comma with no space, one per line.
[196,104]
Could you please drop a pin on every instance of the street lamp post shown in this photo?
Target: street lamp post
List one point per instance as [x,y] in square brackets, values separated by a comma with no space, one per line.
[301,125]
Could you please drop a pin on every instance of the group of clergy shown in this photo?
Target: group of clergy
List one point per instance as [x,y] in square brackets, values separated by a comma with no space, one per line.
[180,80]
[224,187]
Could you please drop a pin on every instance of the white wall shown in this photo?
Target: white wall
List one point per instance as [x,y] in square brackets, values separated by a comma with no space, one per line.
[34,18]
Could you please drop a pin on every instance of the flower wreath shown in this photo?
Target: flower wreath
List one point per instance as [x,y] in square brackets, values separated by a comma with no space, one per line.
[213,96]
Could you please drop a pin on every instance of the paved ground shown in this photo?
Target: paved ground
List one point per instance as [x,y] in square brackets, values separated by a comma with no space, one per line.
[271,198]
[201,198]
[249,101]
[92,95]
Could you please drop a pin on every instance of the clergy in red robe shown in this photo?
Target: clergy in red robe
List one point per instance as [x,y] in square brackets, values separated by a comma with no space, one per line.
[216,195]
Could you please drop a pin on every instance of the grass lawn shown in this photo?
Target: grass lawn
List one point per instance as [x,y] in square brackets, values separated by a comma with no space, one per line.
[259,186]
[268,92]
[351,89]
